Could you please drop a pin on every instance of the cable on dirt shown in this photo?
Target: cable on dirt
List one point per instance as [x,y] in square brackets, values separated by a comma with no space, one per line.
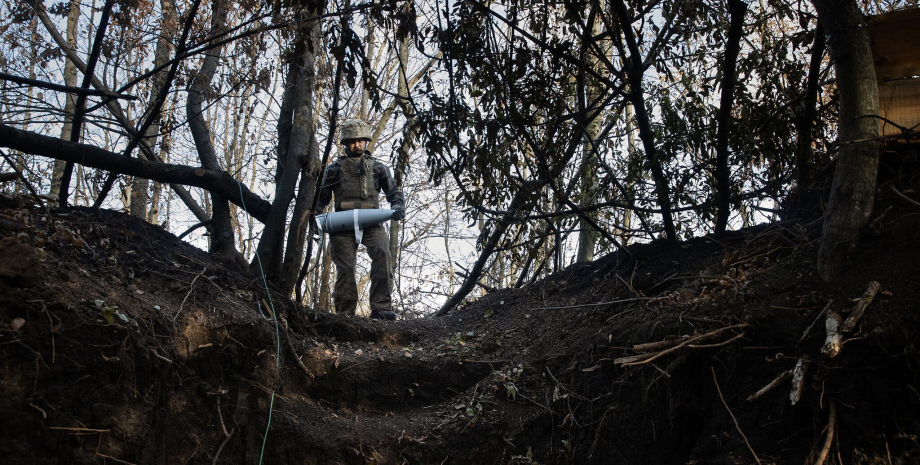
[271,404]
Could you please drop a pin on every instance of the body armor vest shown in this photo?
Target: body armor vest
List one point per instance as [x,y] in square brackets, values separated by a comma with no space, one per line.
[356,184]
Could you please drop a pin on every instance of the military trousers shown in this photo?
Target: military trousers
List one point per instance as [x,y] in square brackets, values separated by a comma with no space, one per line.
[344,255]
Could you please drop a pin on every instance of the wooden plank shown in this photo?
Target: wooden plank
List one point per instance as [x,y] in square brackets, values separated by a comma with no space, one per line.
[895,37]
[899,101]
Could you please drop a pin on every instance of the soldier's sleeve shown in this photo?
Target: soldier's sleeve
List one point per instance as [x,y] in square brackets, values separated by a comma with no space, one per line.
[387,185]
[330,179]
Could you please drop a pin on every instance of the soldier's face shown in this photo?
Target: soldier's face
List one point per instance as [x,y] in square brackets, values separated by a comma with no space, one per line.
[356,146]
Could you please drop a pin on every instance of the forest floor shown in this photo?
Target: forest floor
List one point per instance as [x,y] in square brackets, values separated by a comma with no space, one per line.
[121,344]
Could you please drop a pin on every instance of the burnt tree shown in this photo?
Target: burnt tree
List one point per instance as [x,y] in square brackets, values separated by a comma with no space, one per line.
[853,187]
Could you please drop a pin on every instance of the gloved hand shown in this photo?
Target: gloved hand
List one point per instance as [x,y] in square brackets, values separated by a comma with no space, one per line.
[399,212]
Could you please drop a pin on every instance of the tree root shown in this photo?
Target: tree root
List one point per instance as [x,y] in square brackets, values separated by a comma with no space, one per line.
[647,358]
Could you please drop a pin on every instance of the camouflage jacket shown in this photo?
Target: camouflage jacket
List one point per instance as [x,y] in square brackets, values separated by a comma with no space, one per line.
[335,182]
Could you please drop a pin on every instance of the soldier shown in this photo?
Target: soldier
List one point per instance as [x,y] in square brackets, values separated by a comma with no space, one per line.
[355,180]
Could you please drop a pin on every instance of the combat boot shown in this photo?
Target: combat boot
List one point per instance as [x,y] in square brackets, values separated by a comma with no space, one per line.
[382,315]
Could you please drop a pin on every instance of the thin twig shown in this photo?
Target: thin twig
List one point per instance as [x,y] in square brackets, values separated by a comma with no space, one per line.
[349,367]
[50,322]
[658,345]
[619,314]
[551,412]
[599,304]
[773,384]
[899,194]
[221,448]
[633,358]
[155,354]
[598,431]
[876,223]
[287,337]
[113,458]
[565,387]
[227,435]
[220,415]
[190,288]
[662,282]
[812,325]
[79,430]
[627,284]
[665,373]
[718,344]
[44,415]
[689,341]
[733,415]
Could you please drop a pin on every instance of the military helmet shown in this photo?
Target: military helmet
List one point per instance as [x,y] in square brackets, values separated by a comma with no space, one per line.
[354,129]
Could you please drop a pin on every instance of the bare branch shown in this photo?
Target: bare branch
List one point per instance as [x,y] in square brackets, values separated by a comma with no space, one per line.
[95,157]
[63,88]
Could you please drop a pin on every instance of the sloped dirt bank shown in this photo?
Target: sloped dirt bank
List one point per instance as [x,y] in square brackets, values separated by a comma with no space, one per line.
[131,347]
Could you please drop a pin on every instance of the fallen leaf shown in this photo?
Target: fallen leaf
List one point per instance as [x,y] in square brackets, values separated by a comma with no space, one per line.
[109,313]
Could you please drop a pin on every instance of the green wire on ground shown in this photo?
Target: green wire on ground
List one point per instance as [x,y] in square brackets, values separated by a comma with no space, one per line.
[271,405]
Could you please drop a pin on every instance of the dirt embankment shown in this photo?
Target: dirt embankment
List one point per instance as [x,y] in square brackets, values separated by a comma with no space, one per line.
[120,344]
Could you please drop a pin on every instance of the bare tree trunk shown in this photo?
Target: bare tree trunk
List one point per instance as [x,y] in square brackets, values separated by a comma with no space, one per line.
[587,236]
[140,187]
[303,145]
[407,145]
[222,241]
[804,154]
[297,233]
[853,188]
[450,261]
[631,147]
[20,159]
[296,136]
[70,102]
[636,96]
[736,9]
[369,53]
[325,297]
[538,250]
[153,213]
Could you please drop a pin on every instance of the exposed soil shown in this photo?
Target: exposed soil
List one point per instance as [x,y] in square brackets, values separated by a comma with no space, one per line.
[134,347]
